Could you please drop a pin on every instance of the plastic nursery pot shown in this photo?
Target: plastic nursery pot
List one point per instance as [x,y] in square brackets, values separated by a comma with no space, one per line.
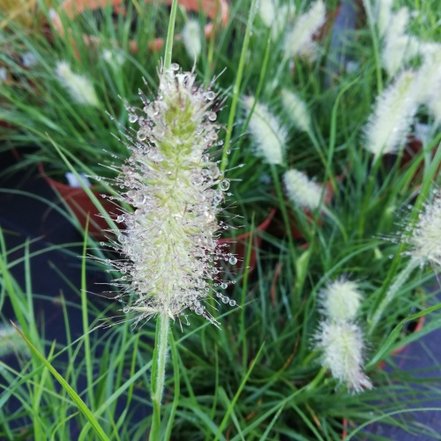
[238,245]
[413,327]
[82,206]
[217,11]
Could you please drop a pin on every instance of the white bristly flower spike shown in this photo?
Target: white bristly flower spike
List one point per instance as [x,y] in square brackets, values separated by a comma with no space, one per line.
[425,237]
[383,15]
[429,80]
[191,36]
[267,10]
[79,87]
[276,16]
[113,57]
[299,41]
[393,113]
[296,110]
[10,341]
[342,346]
[301,190]
[267,133]
[172,256]
[341,300]
[424,241]
[398,46]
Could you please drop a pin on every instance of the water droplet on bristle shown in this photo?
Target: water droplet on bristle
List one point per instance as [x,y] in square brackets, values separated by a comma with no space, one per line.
[141,135]
[133,118]
[210,95]
[224,185]
[232,260]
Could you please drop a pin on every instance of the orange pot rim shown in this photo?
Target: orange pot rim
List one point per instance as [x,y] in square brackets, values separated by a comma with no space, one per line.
[216,10]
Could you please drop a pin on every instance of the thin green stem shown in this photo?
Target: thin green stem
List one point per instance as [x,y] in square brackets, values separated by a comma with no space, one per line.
[368,197]
[158,374]
[236,88]
[170,35]
[393,290]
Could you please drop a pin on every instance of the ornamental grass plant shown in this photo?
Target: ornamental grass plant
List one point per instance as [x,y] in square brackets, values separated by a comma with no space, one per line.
[201,139]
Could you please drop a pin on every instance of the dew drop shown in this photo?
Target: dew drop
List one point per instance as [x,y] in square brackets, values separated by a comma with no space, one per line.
[224,185]
[119,219]
[210,95]
[139,199]
[174,67]
[223,285]
[141,135]
[232,302]
[199,310]
[232,260]
[197,180]
[217,197]
[225,299]
[133,118]
[212,116]
[214,171]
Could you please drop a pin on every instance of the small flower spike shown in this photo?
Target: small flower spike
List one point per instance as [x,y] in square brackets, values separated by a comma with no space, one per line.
[425,237]
[296,110]
[191,36]
[342,346]
[398,46]
[172,258]
[301,190]
[341,300]
[267,133]
[393,113]
[79,87]
[276,16]
[299,41]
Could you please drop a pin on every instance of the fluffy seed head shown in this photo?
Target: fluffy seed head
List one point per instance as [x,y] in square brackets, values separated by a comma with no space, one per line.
[172,256]
[191,36]
[114,57]
[276,16]
[425,237]
[267,133]
[79,87]
[267,10]
[342,347]
[398,46]
[299,41]
[429,80]
[301,190]
[296,110]
[383,14]
[393,113]
[10,341]
[341,301]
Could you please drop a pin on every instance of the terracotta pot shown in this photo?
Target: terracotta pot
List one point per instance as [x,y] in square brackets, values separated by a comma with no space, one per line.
[216,10]
[238,245]
[82,206]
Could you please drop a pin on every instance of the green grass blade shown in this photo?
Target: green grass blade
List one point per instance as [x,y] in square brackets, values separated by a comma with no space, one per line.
[82,407]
